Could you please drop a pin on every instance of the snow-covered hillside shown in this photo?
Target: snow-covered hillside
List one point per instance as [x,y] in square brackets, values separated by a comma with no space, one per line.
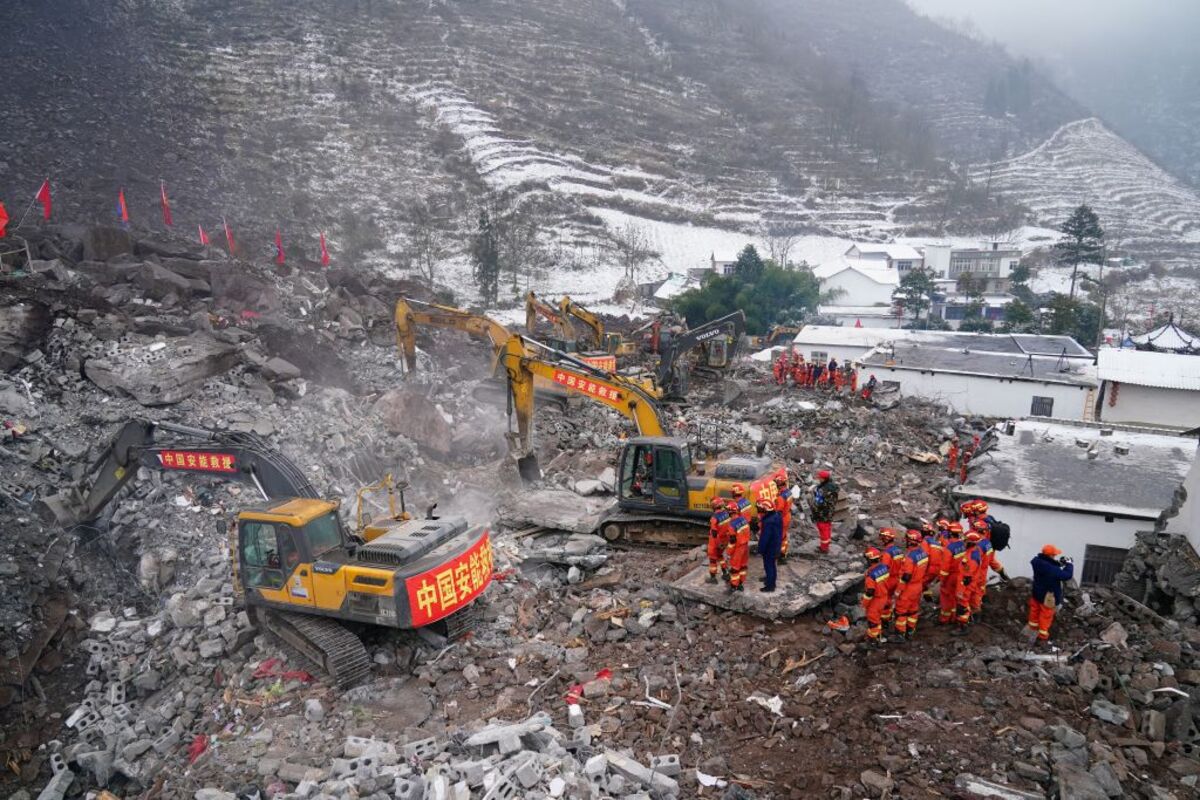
[1140,205]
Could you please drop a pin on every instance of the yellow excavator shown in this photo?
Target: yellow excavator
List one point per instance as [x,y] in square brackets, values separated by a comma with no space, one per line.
[663,495]
[598,339]
[563,329]
[302,574]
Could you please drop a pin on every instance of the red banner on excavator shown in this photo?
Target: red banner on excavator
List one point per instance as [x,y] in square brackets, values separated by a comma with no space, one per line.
[202,462]
[439,592]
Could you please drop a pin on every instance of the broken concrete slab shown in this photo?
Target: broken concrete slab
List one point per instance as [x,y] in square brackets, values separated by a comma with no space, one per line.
[157,373]
[412,414]
[978,787]
[556,509]
[802,584]
[635,771]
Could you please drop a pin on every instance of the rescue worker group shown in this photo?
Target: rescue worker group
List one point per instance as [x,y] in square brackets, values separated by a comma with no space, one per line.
[947,561]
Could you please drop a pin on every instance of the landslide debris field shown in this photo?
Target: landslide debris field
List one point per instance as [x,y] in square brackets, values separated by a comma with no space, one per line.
[126,664]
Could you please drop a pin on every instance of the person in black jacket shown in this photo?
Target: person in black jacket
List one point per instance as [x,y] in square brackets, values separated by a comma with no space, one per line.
[1050,569]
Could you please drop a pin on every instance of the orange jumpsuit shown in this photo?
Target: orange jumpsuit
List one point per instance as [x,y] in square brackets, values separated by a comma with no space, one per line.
[839,379]
[718,540]
[799,371]
[914,566]
[951,576]
[936,547]
[781,369]
[891,556]
[972,566]
[853,382]
[783,504]
[738,549]
[875,596]
[989,561]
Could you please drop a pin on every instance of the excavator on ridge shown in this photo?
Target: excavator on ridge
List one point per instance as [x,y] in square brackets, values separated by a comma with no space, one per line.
[663,493]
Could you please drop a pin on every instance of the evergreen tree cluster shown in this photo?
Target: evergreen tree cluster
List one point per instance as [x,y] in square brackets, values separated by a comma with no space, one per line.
[765,292]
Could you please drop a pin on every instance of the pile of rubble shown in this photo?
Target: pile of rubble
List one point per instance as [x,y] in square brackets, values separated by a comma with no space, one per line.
[589,673]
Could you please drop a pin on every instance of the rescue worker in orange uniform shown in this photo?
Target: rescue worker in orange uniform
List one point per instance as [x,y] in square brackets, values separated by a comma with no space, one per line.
[988,562]
[839,380]
[951,574]
[799,370]
[914,566]
[935,545]
[1050,570]
[874,594]
[891,553]
[738,547]
[718,539]
[783,504]
[780,369]
[952,457]
[853,382]
[972,566]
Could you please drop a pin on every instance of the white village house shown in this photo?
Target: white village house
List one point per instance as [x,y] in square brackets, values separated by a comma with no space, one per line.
[990,374]
[1148,388]
[898,257]
[1083,487]
[822,342]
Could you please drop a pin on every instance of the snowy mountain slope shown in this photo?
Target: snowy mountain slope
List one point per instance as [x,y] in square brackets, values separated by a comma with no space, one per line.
[1085,162]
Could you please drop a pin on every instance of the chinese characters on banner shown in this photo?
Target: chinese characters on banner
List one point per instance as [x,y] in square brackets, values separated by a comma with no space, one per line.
[582,384]
[189,459]
[441,591]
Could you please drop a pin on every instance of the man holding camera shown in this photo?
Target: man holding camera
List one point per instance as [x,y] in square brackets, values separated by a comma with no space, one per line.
[1050,570]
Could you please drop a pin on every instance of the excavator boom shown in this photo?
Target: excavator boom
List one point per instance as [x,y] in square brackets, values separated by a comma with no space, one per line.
[410,314]
[569,308]
[534,308]
[671,374]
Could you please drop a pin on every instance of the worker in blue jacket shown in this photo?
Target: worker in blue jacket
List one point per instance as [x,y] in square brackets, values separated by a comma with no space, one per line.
[770,539]
[1050,570]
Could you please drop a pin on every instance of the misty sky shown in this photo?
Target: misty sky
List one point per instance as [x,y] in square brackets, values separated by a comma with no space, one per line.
[1046,28]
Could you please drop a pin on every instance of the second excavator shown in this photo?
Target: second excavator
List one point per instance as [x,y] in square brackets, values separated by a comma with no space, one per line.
[664,494]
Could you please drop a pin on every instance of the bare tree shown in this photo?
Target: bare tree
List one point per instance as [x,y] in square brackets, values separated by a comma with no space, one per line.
[521,251]
[634,250]
[781,239]
[427,237]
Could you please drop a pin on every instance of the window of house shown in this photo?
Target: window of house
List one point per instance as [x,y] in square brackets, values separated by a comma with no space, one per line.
[1101,565]
[1042,407]
[819,357]
[903,265]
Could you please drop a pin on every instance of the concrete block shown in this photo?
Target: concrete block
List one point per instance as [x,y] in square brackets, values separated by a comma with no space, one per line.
[56,789]
[596,765]
[509,744]
[423,749]
[166,742]
[460,791]
[638,773]
[503,789]
[410,788]
[356,746]
[529,773]
[575,716]
[57,763]
[666,765]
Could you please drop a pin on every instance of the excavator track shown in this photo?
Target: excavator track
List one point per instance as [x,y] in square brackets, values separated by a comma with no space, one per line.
[325,642]
[651,529]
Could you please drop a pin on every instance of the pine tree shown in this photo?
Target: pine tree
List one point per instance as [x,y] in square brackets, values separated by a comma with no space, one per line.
[485,259]
[749,265]
[914,294]
[1082,242]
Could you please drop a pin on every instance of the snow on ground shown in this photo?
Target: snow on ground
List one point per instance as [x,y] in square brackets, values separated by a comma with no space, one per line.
[1058,279]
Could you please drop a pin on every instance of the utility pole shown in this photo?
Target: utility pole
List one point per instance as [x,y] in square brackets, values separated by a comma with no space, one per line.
[1103,299]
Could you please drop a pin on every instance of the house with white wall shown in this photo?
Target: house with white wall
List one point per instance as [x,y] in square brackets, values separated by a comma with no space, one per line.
[845,343]
[1086,488]
[882,317]
[1149,388]
[857,283]
[898,257]
[989,374]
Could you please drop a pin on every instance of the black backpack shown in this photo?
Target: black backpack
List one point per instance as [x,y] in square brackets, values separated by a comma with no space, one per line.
[1000,534]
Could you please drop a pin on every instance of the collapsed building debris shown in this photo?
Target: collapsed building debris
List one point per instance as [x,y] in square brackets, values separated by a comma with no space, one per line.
[590,672]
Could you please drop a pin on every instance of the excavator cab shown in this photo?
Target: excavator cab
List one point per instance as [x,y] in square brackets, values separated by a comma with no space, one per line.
[653,474]
[718,353]
[278,545]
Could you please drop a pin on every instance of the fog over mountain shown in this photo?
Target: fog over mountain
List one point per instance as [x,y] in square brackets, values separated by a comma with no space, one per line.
[1133,62]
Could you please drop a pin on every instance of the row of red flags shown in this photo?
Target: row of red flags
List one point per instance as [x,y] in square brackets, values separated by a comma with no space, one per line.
[43,197]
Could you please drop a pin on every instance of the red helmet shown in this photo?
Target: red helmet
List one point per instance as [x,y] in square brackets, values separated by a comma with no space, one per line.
[973,537]
[887,535]
[824,475]
[981,507]
[966,508]
[717,503]
[942,523]
[737,490]
[873,554]
[981,526]
[955,529]
[780,480]
[912,536]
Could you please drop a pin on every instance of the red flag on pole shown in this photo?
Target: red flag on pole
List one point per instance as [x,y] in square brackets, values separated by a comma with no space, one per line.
[43,197]
[279,257]
[3,221]
[324,251]
[229,237]
[203,236]
[166,205]
[122,209]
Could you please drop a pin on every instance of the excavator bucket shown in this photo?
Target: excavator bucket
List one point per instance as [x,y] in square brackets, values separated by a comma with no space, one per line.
[529,469]
[65,508]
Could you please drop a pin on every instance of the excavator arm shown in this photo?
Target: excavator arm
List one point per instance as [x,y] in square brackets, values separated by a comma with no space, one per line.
[569,308]
[413,313]
[523,359]
[563,329]
[670,372]
[170,447]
